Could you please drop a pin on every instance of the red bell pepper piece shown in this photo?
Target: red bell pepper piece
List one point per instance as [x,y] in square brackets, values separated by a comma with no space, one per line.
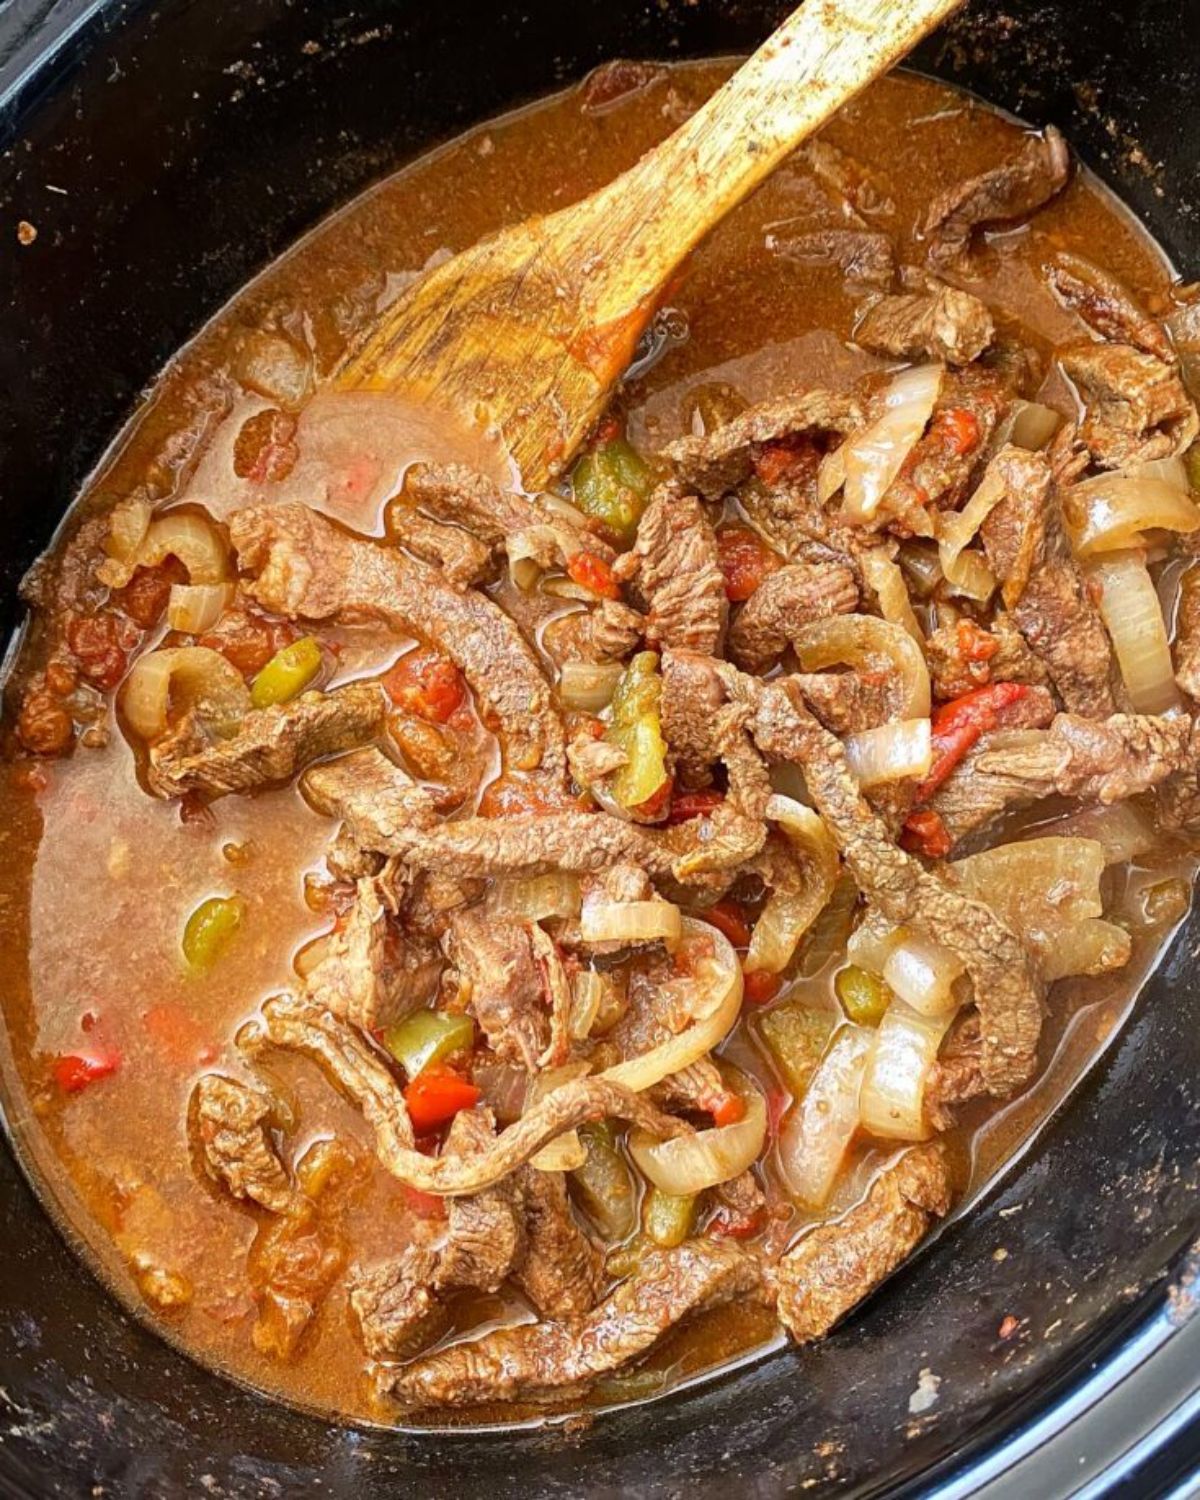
[925,833]
[75,1070]
[729,1110]
[745,560]
[426,685]
[694,805]
[729,918]
[959,724]
[760,987]
[436,1095]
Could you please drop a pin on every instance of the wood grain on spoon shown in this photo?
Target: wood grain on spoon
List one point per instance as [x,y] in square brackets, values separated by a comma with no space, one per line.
[527,332]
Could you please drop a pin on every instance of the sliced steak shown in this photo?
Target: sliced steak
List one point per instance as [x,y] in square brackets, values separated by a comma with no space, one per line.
[233,1128]
[721,460]
[368,974]
[397,1311]
[660,1008]
[783,604]
[835,1266]
[1047,598]
[1013,190]
[1136,406]
[1187,633]
[945,324]
[679,575]
[269,746]
[305,566]
[485,1233]
[562,1270]
[501,983]
[607,631]
[846,702]
[668,1286]
[859,190]
[463,558]
[866,256]
[1106,305]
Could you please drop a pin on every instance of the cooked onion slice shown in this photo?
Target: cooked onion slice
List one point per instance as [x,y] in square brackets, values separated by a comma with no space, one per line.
[1112,511]
[530,551]
[1132,613]
[196,607]
[566,1152]
[630,922]
[1121,830]
[1092,946]
[969,576]
[791,910]
[956,528]
[892,752]
[892,1102]
[922,565]
[587,990]
[863,641]
[182,678]
[1029,425]
[588,686]
[717,985]
[884,576]
[690,1163]
[865,465]
[127,527]
[193,540]
[530,898]
[922,972]
[817,1133]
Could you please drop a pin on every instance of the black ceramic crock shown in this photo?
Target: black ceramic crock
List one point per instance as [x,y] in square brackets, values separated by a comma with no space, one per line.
[139,113]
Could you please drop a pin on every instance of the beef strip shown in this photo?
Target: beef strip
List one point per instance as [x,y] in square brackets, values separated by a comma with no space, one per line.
[836,1265]
[846,702]
[668,1286]
[720,460]
[501,983]
[1013,190]
[562,1270]
[958,663]
[866,256]
[1187,633]
[945,324]
[940,474]
[302,1027]
[368,974]
[464,559]
[305,566]
[397,1311]
[1136,406]
[956,1076]
[859,189]
[269,745]
[1007,990]
[607,631]
[485,1232]
[1092,761]
[691,700]
[1048,601]
[233,1127]
[1106,305]
[679,575]
[783,605]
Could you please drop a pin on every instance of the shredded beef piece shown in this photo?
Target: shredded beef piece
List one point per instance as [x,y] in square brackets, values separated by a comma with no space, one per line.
[607,631]
[959,663]
[1106,305]
[485,1232]
[835,1266]
[1094,761]
[592,760]
[846,702]
[233,1126]
[302,1027]
[368,973]
[719,461]
[346,861]
[1013,190]
[783,604]
[269,746]
[503,986]
[679,575]
[305,566]
[956,1076]
[462,558]
[691,700]
[562,1270]
[668,1286]
[397,1311]
[1047,599]
[1136,406]
[863,255]
[1007,990]
[945,324]
[1187,633]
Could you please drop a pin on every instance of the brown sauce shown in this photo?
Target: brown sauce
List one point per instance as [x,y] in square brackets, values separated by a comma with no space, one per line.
[99,879]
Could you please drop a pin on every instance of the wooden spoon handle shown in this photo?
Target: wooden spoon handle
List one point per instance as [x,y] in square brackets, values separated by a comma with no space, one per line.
[822,55]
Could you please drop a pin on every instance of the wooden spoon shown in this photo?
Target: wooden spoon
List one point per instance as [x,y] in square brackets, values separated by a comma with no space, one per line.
[526,333]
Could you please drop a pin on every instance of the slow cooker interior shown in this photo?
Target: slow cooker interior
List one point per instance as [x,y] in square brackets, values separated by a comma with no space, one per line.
[163,127]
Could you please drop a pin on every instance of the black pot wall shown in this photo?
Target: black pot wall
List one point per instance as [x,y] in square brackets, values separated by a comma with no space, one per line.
[164,124]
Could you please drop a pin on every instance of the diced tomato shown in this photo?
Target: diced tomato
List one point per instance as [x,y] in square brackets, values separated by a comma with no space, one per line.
[592,572]
[925,833]
[511,796]
[656,804]
[96,644]
[436,1095]
[958,429]
[426,685]
[729,1110]
[760,987]
[249,641]
[608,427]
[75,1070]
[727,1225]
[145,596]
[745,560]
[974,643]
[688,805]
[424,1205]
[729,918]
[790,458]
[958,725]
